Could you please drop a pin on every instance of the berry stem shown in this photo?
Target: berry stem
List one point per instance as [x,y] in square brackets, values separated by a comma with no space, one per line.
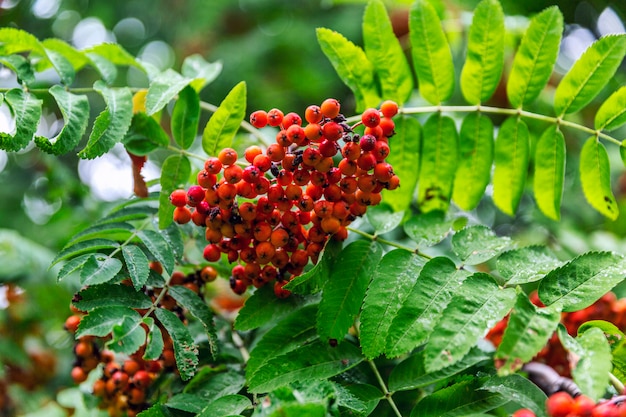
[238,341]
[617,384]
[383,386]
[388,242]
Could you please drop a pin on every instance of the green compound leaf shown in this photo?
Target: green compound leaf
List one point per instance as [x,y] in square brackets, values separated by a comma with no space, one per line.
[432,57]
[73,265]
[524,265]
[589,74]
[358,399]
[612,113]
[99,269]
[344,292]
[75,111]
[116,54]
[21,67]
[202,72]
[154,342]
[595,178]
[475,160]
[527,332]
[428,229]
[128,336]
[119,231]
[592,370]
[393,279]
[512,151]
[535,58]
[158,247]
[288,334]
[224,124]
[485,53]
[163,88]
[411,374]
[519,390]
[582,281]
[185,117]
[405,159]
[185,350]
[422,308]
[385,52]
[438,163]
[101,321]
[175,172]
[475,308]
[352,66]
[26,110]
[111,125]
[191,301]
[477,244]
[61,65]
[262,307]
[90,245]
[14,41]
[106,295]
[137,265]
[215,382]
[106,69]
[384,218]
[313,280]
[227,406]
[549,172]
[317,360]
[462,399]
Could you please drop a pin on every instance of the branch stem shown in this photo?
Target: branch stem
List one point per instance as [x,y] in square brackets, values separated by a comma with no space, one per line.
[383,386]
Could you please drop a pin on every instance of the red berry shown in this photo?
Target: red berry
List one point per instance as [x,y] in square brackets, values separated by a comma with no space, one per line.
[178,198]
[213,165]
[195,195]
[227,156]
[389,108]
[72,322]
[332,131]
[182,215]
[370,118]
[258,119]
[291,119]
[330,108]
[251,152]
[367,143]
[275,117]
[524,412]
[313,114]
[280,291]
[559,404]
[211,253]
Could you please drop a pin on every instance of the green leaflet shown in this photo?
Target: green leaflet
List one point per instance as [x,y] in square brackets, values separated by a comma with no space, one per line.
[612,113]
[119,231]
[99,268]
[393,279]
[192,302]
[511,164]
[535,58]
[115,54]
[229,405]
[106,69]
[202,72]
[383,218]
[21,67]
[527,332]
[316,360]
[475,160]
[137,264]
[158,247]
[438,163]
[144,135]
[485,53]
[75,111]
[475,307]
[215,382]
[595,178]
[154,342]
[175,172]
[15,41]
[422,308]
[163,88]
[90,245]
[477,244]
[105,295]
[405,159]
[549,172]
[185,350]
[344,292]
[127,336]
[524,265]
[411,374]
[519,390]
[111,125]
[286,335]
[101,321]
[185,117]
[432,57]
[27,112]
[461,399]
[589,74]
[428,229]
[582,281]
[385,52]
[313,280]
[352,66]
[224,124]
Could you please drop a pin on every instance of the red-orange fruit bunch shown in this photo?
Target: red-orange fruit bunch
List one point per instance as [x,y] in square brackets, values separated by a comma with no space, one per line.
[273,213]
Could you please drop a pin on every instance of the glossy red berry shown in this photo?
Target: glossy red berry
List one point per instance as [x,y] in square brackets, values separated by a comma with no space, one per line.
[330,108]
[389,108]
[275,117]
[370,118]
[524,412]
[258,119]
[559,404]
[178,198]
[227,156]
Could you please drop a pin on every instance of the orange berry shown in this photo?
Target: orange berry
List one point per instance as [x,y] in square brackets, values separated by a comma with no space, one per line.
[330,108]
[227,156]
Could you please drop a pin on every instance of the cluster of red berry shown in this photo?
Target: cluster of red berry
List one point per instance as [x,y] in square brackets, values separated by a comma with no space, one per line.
[607,308]
[125,381]
[562,404]
[274,212]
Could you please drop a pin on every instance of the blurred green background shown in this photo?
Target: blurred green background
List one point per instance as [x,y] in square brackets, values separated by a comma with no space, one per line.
[271,45]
